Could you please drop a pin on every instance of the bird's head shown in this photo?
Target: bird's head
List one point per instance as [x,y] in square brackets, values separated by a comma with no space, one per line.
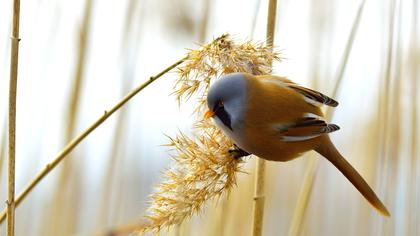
[226,99]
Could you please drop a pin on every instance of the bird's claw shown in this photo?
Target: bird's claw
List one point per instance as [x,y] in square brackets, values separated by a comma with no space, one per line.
[237,152]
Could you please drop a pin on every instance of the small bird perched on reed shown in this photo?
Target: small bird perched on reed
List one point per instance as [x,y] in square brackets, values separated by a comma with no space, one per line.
[278,120]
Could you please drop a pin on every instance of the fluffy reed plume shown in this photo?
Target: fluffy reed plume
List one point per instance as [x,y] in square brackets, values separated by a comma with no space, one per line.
[204,166]
[222,56]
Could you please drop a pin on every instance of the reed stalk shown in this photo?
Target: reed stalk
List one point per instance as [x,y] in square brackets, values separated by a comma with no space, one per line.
[75,141]
[259,198]
[386,173]
[14,60]
[255,17]
[311,167]
[303,197]
[413,213]
[395,117]
[205,21]
[62,217]
[129,56]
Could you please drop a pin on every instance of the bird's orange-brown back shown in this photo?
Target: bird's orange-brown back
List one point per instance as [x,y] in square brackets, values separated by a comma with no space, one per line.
[269,106]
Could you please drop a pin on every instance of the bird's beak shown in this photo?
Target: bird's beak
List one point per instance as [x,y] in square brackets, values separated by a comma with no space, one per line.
[209,114]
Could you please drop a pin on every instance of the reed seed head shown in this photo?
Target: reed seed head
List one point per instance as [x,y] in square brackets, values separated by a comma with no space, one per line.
[222,56]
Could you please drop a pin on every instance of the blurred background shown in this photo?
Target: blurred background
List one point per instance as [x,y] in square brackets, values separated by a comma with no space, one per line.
[77,58]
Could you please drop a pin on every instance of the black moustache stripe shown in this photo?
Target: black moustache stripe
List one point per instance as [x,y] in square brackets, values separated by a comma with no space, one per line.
[224,117]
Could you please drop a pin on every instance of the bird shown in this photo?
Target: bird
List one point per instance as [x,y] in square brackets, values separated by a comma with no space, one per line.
[278,120]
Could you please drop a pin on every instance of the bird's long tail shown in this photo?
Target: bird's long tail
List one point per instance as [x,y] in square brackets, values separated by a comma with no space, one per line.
[328,150]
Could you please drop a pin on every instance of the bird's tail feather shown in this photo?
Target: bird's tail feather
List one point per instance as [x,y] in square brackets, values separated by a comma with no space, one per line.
[328,150]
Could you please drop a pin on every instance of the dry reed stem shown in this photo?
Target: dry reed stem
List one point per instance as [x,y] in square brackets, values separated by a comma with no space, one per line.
[259,198]
[386,95]
[304,195]
[255,17]
[62,217]
[310,169]
[395,130]
[109,179]
[204,21]
[129,45]
[14,60]
[271,22]
[414,162]
[395,115]
[384,162]
[384,134]
[71,145]
[344,61]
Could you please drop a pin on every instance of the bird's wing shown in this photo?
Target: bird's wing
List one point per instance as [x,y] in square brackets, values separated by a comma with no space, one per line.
[311,96]
[306,128]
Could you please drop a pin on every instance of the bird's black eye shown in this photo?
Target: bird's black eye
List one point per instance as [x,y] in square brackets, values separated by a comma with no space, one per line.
[218,105]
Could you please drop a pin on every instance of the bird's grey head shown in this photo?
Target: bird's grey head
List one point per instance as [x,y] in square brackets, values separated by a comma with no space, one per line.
[226,100]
